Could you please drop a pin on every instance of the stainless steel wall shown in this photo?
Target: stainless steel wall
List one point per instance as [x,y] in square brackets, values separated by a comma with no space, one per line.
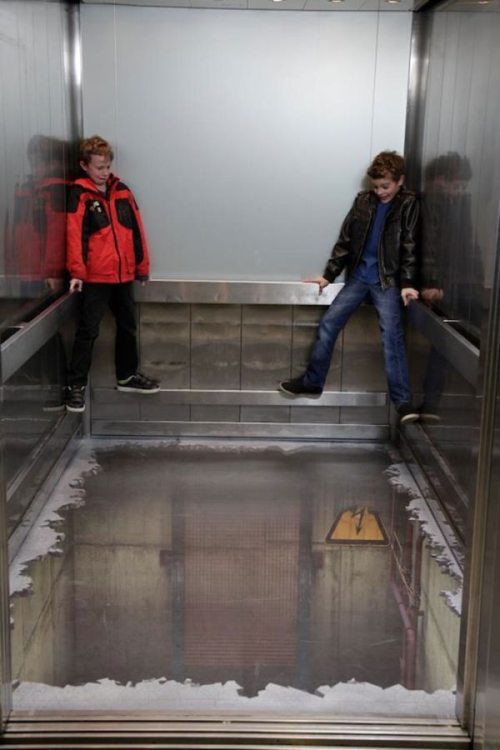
[39,112]
[245,134]
[39,101]
[220,352]
[453,137]
[453,147]
[245,148]
[487,568]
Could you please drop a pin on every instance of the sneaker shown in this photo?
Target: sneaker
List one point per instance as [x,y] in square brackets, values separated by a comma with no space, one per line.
[429,414]
[407,414]
[138,383]
[296,387]
[54,405]
[75,398]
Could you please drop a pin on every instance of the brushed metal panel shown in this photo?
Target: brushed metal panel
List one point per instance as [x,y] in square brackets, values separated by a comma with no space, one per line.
[215,414]
[39,475]
[102,371]
[264,414]
[307,415]
[252,199]
[236,292]
[31,336]
[35,51]
[236,734]
[297,5]
[123,408]
[363,415]
[164,335]
[254,430]
[5,613]
[265,345]
[31,410]
[36,138]
[417,89]
[215,346]
[266,315]
[152,411]
[236,397]
[13,289]
[481,668]
[461,354]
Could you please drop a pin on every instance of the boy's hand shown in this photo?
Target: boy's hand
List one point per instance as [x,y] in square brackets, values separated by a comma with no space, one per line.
[55,285]
[407,294]
[432,295]
[75,285]
[319,280]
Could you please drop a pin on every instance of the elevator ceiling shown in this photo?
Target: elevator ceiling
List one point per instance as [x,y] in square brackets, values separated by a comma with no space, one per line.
[301,5]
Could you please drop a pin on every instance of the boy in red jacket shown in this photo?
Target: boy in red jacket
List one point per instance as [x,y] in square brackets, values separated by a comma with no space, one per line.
[107,251]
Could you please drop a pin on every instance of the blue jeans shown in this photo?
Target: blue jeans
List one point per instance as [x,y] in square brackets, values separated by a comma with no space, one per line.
[388,305]
[434,378]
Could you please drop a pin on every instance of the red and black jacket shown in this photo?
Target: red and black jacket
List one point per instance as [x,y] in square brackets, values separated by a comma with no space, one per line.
[37,247]
[105,235]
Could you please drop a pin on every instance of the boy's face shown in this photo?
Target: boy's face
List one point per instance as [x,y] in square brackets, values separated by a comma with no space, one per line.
[386,187]
[98,169]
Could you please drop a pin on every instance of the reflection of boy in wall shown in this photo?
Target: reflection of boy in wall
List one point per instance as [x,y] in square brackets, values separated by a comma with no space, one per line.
[107,250]
[452,269]
[377,246]
[37,247]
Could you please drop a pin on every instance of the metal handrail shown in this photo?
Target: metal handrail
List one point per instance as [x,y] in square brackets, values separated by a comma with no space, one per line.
[29,337]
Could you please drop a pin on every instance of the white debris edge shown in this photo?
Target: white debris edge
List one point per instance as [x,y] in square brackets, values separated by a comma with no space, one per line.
[401,478]
[344,699]
[46,534]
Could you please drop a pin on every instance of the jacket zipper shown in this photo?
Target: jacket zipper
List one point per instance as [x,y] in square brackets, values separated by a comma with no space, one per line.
[381,270]
[110,215]
[360,253]
[114,236]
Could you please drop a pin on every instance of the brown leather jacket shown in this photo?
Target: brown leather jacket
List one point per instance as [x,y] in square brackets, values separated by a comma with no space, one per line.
[397,252]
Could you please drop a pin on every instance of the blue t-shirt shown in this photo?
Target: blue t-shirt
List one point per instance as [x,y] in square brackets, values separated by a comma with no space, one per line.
[367,269]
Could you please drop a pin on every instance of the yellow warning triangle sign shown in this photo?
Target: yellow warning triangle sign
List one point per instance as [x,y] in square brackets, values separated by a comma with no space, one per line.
[357,526]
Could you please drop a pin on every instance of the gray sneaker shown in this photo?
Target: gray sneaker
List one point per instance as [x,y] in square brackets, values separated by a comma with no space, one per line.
[407,414]
[138,383]
[75,398]
[428,414]
[296,387]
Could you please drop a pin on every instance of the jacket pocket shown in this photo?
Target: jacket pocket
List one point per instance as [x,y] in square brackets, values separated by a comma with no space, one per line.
[124,213]
[96,217]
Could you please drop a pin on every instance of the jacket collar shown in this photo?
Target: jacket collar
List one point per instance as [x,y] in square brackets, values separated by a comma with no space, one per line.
[373,200]
[88,184]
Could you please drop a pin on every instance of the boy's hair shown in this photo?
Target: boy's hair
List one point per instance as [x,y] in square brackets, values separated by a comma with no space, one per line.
[450,166]
[387,162]
[94,145]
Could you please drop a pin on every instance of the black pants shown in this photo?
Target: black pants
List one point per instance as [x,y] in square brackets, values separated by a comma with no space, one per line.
[94,300]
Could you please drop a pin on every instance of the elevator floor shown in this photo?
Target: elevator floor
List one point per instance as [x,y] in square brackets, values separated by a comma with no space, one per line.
[227,577]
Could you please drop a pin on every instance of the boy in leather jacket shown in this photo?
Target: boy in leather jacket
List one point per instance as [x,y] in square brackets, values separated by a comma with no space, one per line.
[106,251]
[377,247]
